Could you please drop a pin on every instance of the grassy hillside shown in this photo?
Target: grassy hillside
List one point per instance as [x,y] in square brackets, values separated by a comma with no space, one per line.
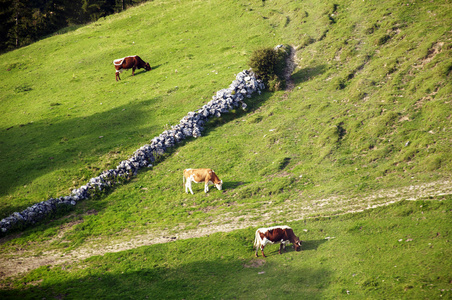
[370,113]
[59,95]
[395,252]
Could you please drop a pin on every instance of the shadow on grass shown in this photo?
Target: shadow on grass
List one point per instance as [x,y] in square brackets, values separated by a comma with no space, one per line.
[308,73]
[126,278]
[272,250]
[253,104]
[139,72]
[64,217]
[128,73]
[233,184]
[312,245]
[31,150]
[155,67]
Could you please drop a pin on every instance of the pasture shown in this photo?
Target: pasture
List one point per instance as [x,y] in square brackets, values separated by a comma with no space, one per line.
[367,122]
[399,251]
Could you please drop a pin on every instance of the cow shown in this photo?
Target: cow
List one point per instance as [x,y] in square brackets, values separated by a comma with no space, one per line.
[207,176]
[134,62]
[276,234]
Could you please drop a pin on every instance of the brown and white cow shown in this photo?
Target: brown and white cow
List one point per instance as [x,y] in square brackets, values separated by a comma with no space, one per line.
[207,176]
[276,234]
[134,62]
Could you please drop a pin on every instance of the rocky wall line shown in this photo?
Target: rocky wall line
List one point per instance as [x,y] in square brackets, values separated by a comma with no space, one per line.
[192,125]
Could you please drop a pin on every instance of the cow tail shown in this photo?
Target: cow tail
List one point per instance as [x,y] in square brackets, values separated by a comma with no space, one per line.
[256,239]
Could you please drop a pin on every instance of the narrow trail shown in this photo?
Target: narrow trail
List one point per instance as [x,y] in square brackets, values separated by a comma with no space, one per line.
[24,261]
[290,67]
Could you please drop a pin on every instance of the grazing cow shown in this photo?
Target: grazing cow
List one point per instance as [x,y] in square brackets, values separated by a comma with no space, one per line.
[134,62]
[207,176]
[276,234]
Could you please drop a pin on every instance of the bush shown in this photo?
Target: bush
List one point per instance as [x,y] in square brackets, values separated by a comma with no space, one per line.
[263,62]
[268,64]
[276,84]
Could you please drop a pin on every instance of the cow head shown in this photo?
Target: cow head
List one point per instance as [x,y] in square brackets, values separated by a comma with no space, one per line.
[297,244]
[147,67]
[219,186]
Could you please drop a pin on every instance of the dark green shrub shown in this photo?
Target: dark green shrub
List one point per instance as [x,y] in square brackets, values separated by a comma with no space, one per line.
[263,62]
[268,64]
[276,84]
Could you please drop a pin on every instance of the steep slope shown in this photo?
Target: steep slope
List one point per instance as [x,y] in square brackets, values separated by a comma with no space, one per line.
[369,112]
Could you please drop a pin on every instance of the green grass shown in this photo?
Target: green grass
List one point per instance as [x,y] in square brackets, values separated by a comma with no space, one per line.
[393,252]
[355,106]
[370,112]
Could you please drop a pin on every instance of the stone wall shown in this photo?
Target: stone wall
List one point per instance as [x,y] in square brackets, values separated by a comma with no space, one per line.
[192,125]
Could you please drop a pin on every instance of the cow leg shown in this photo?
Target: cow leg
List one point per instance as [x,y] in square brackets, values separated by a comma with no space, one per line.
[281,246]
[117,76]
[189,185]
[264,242]
[206,187]
[133,71]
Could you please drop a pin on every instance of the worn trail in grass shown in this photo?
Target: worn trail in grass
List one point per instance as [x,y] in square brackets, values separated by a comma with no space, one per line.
[289,211]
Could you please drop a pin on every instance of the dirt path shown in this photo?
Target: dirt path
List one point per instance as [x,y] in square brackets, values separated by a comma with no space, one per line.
[24,261]
[290,67]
